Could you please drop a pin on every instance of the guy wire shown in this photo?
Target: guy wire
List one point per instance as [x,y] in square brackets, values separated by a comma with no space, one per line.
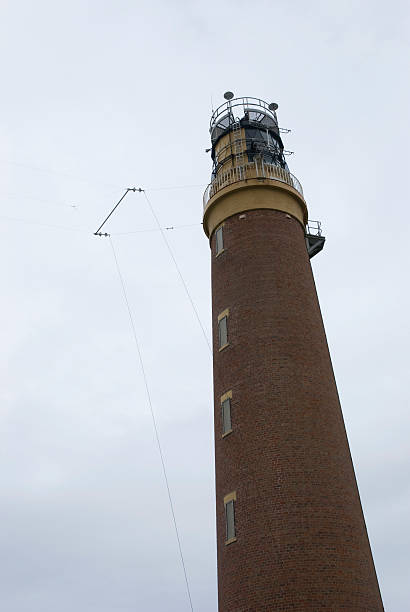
[179,271]
[134,333]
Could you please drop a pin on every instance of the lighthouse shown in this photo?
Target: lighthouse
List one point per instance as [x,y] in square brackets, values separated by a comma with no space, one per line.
[290,528]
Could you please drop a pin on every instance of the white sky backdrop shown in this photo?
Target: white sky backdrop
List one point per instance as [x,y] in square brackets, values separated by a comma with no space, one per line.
[100,96]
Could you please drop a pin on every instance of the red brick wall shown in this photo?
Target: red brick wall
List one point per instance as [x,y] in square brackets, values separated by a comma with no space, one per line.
[301,537]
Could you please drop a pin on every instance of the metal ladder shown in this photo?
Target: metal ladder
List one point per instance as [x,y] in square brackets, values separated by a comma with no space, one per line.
[238,146]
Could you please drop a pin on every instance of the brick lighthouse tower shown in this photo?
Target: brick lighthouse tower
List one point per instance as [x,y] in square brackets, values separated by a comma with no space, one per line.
[290,527]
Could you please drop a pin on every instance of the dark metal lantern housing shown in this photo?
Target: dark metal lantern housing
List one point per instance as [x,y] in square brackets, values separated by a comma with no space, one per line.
[262,138]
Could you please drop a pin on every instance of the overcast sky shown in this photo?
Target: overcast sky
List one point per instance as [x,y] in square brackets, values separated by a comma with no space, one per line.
[99,96]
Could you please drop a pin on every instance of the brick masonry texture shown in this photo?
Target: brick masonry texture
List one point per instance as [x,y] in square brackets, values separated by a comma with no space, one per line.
[301,542]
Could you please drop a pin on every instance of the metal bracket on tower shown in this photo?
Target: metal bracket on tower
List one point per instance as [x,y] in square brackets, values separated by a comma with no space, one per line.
[314,239]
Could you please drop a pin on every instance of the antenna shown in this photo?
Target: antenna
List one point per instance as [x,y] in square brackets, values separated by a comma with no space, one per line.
[273,106]
[228,95]
[98,232]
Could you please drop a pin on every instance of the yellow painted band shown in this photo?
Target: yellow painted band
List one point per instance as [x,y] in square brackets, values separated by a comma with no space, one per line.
[253,194]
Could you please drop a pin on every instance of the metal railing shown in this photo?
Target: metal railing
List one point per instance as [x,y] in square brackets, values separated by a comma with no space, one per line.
[251,146]
[247,103]
[314,228]
[251,170]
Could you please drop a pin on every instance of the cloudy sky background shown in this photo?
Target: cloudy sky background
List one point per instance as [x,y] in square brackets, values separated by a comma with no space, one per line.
[101,96]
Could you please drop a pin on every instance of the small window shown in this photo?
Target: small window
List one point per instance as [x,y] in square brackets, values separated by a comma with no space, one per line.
[226,413]
[223,332]
[219,241]
[229,503]
[223,329]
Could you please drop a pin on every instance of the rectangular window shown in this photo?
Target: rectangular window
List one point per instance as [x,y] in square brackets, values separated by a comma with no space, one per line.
[223,329]
[219,241]
[229,503]
[226,416]
[226,413]
[223,332]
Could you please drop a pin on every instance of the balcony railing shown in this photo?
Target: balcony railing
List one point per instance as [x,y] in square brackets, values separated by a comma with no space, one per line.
[247,104]
[250,170]
[314,228]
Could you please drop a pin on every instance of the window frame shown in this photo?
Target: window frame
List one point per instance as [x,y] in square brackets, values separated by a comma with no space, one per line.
[230,523]
[226,397]
[223,316]
[222,249]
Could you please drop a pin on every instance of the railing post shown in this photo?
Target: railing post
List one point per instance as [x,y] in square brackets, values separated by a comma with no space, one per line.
[238,173]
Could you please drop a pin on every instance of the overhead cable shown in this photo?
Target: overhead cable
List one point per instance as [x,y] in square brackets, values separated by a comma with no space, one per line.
[58,173]
[156,229]
[141,362]
[40,224]
[179,271]
[166,188]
